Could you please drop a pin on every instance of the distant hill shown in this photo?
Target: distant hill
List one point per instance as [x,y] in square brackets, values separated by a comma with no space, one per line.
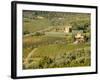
[37,20]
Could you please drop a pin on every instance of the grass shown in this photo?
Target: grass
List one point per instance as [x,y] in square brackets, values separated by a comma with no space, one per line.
[57,49]
[36,25]
[55,34]
[31,42]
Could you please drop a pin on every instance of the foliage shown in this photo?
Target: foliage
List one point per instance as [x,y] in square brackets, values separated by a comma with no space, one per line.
[26,32]
[75,58]
[39,34]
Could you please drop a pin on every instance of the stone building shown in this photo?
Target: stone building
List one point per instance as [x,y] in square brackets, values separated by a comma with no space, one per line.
[79,38]
[68,29]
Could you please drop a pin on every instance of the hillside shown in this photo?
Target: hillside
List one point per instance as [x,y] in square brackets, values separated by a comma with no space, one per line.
[36,20]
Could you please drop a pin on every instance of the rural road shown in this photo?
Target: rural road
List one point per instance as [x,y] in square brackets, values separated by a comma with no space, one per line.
[38,31]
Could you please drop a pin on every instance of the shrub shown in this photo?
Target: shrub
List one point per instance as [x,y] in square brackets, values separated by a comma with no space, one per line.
[26,32]
[45,62]
[75,58]
[39,33]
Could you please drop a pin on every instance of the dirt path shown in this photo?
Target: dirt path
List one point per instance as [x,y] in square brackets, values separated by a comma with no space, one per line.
[29,55]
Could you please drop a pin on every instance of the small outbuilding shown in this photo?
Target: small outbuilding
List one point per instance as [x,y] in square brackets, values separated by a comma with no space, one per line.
[79,38]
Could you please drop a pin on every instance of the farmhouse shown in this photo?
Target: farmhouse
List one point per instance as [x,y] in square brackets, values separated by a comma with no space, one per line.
[68,29]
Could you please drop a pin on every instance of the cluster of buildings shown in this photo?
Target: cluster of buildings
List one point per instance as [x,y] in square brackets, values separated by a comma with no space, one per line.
[78,38]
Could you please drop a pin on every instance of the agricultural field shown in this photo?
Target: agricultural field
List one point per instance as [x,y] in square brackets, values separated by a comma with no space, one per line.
[50,39]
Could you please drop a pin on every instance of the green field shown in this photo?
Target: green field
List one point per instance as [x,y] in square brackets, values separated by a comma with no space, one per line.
[57,49]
